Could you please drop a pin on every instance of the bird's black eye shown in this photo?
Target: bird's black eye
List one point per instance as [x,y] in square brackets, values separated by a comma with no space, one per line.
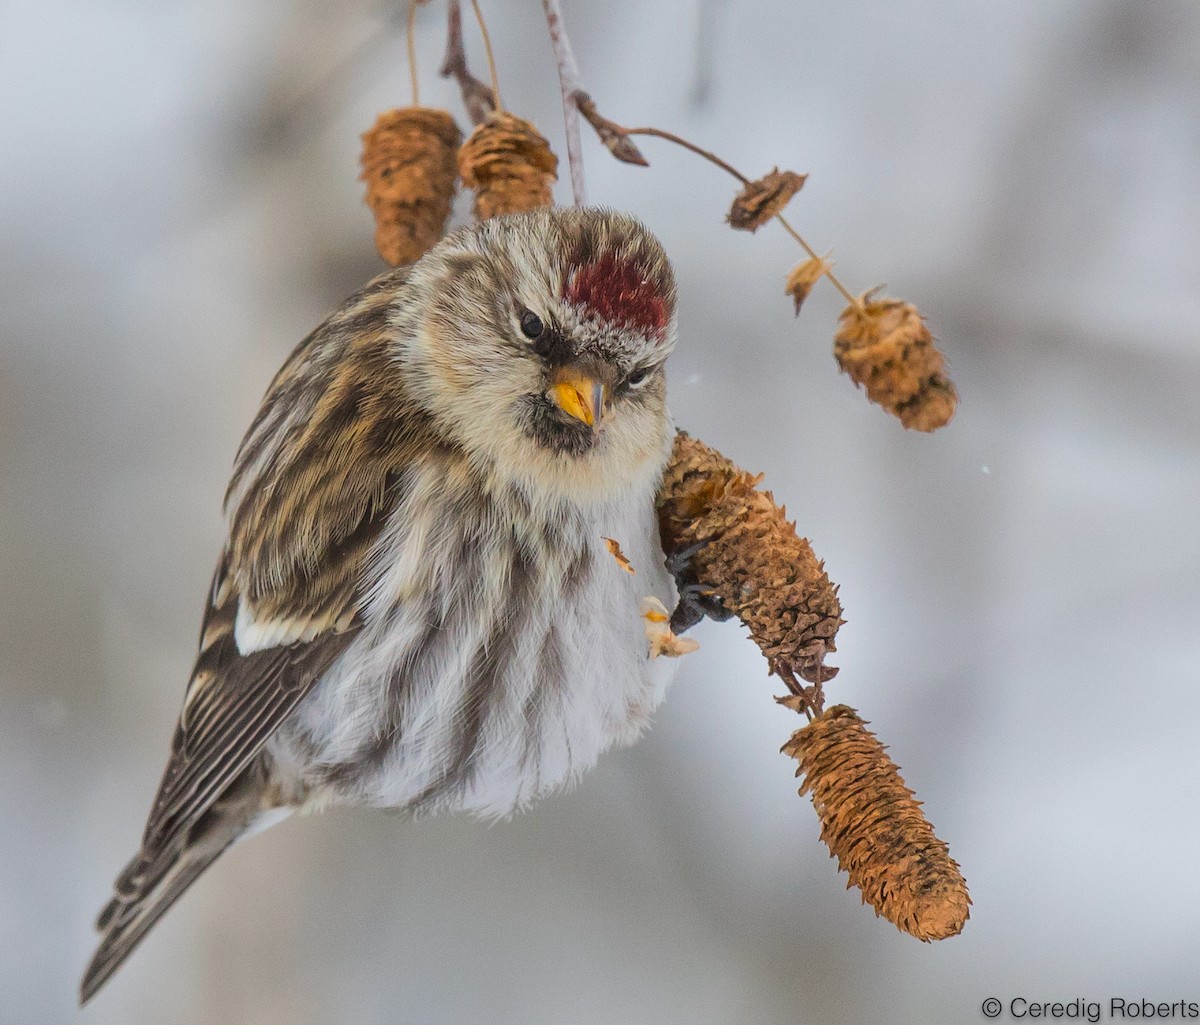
[637,377]
[531,324]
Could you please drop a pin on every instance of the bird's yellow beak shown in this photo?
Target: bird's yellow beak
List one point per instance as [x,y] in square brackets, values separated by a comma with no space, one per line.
[578,394]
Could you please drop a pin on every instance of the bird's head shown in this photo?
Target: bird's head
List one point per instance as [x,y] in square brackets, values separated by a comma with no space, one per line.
[541,347]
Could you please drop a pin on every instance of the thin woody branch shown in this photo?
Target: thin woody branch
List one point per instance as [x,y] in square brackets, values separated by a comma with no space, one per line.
[617,139]
[570,83]
[477,96]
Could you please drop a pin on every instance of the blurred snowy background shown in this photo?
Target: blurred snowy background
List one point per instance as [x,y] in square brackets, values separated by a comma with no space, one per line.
[178,207]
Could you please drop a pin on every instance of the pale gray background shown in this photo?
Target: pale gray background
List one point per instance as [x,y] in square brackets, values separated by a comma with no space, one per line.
[178,206]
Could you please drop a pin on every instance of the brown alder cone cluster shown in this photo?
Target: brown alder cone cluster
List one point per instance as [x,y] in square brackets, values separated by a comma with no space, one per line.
[412,158]
[877,831]
[738,548]
[509,165]
[884,345]
[749,556]
[408,163]
[881,343]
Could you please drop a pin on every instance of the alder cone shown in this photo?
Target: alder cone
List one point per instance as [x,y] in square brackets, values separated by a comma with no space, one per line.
[410,168]
[750,557]
[876,830]
[510,166]
[884,345]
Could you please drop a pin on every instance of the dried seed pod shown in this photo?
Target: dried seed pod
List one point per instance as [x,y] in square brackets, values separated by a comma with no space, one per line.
[408,163]
[616,140]
[877,831]
[748,555]
[762,199]
[509,165]
[885,345]
[802,278]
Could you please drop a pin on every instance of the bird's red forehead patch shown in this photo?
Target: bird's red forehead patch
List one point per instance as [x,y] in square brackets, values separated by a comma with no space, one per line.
[617,291]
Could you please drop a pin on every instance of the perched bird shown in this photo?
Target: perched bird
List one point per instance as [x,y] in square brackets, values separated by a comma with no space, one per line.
[415,608]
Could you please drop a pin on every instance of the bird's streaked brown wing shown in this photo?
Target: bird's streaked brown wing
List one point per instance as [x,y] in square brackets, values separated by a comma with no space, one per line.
[311,489]
[234,703]
[313,484]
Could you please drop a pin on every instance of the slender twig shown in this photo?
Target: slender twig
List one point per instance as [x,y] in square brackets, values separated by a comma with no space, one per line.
[812,699]
[412,51]
[491,58]
[852,299]
[680,141]
[572,86]
[576,102]
[713,158]
[477,97]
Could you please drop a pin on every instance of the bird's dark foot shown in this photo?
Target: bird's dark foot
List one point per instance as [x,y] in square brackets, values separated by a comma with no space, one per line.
[695,600]
[679,563]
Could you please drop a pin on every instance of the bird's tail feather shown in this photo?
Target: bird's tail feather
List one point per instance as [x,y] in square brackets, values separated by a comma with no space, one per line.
[156,879]
[127,918]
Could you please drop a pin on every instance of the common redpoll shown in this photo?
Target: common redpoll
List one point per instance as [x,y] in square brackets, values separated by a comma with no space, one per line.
[415,607]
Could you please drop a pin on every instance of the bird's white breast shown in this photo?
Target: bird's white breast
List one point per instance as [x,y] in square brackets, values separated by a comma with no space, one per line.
[503,651]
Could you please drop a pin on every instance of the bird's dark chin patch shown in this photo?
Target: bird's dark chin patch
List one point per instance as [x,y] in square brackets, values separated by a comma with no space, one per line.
[552,429]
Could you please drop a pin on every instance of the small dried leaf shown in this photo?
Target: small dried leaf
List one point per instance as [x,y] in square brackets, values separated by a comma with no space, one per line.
[409,166]
[795,702]
[658,631]
[884,345]
[802,278]
[762,199]
[509,165]
[877,831]
[614,549]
